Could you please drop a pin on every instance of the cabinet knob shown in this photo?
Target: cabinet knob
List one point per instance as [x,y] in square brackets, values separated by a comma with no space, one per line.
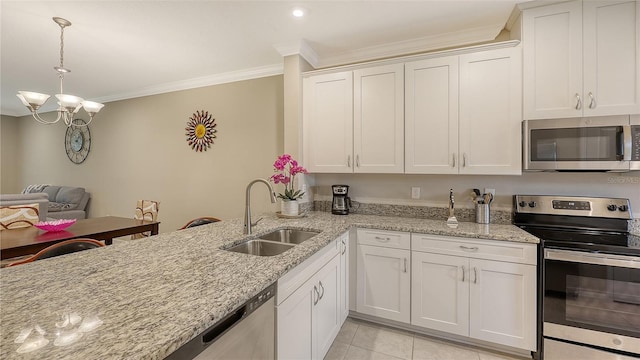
[454,160]
[578,102]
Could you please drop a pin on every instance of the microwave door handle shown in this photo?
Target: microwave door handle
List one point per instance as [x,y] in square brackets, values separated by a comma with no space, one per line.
[623,148]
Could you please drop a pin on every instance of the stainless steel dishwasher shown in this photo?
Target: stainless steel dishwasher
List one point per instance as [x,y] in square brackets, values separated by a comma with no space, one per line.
[247,333]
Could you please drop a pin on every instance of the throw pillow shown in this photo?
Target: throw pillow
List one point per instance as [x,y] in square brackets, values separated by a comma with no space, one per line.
[19,216]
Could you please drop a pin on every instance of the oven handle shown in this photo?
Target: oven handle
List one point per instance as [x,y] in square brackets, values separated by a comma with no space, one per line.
[631,262]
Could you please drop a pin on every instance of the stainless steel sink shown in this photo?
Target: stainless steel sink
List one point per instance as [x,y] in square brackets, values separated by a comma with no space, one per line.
[289,236]
[261,248]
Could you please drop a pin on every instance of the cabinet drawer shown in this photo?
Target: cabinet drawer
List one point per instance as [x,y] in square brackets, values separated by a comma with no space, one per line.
[384,238]
[476,248]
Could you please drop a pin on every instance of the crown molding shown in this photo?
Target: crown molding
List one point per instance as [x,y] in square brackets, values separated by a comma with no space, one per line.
[423,44]
[301,48]
[216,79]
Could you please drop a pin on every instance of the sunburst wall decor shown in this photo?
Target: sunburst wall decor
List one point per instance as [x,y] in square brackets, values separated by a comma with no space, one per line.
[201,131]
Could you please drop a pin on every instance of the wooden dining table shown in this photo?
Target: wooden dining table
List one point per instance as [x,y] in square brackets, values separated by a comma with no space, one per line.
[30,240]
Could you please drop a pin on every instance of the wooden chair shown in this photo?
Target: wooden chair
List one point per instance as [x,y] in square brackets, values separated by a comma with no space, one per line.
[61,248]
[200,221]
[146,210]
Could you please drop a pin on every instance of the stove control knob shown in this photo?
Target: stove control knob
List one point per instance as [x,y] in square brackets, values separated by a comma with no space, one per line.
[532,204]
[612,207]
[522,203]
[623,208]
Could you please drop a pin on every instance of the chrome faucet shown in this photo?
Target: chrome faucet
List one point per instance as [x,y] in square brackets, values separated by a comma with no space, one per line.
[247,210]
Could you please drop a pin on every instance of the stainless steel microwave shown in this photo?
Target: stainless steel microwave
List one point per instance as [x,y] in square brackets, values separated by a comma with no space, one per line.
[609,143]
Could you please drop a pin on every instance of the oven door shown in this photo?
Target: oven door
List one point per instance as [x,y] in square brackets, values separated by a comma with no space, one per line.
[593,300]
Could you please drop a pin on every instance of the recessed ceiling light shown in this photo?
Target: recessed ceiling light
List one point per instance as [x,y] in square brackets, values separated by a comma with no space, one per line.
[297,12]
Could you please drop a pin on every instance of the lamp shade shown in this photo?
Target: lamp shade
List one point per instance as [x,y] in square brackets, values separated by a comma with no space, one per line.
[70,102]
[91,107]
[32,99]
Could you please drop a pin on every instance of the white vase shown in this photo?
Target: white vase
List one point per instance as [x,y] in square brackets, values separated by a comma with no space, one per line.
[289,207]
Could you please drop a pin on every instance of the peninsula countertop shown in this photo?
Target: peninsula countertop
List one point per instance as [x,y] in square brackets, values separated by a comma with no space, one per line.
[155,294]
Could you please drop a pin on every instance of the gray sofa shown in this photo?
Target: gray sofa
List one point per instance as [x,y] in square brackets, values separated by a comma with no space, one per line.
[63,202]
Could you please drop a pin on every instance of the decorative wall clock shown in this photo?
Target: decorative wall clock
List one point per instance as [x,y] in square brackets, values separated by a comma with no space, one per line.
[201,131]
[77,141]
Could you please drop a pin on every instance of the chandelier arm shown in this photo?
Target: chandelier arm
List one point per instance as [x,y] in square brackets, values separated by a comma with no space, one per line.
[43,121]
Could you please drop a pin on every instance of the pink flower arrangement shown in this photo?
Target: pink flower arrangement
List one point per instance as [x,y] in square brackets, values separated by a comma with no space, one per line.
[286,169]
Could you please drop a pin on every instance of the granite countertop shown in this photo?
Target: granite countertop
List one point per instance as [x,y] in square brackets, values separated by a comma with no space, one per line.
[155,294]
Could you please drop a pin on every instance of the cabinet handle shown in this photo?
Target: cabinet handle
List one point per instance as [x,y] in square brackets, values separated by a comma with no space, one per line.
[344,247]
[321,287]
[317,297]
[578,102]
[382,239]
[463,272]
[357,160]
[348,161]
[454,160]
[475,275]
[467,248]
[405,264]
[592,102]
[464,159]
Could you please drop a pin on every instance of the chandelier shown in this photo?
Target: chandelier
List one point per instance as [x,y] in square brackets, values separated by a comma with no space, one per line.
[69,104]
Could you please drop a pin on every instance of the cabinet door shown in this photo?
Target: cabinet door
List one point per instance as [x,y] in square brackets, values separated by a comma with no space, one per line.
[611,64]
[384,282]
[552,49]
[379,119]
[431,116]
[326,312]
[344,276]
[294,327]
[491,112]
[440,292]
[327,127]
[503,303]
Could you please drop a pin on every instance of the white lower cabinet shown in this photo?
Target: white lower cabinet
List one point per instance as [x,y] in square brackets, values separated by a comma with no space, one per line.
[309,318]
[440,299]
[343,246]
[482,289]
[383,273]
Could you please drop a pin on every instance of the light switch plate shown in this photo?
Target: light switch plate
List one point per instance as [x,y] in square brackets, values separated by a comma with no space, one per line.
[415,193]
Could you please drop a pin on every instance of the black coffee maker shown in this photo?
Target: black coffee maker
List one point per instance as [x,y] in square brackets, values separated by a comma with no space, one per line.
[341,202]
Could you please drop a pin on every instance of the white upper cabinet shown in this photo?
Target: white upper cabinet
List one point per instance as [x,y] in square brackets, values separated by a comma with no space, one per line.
[431,116]
[611,35]
[491,112]
[354,121]
[378,104]
[328,123]
[581,59]
[463,114]
[456,114]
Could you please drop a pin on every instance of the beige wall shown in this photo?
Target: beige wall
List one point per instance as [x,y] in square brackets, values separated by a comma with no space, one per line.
[9,155]
[139,151]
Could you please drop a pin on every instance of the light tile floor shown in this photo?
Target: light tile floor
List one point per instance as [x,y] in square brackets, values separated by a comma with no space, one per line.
[367,341]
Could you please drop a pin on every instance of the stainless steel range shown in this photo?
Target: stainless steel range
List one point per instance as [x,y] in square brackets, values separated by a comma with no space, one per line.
[589,284]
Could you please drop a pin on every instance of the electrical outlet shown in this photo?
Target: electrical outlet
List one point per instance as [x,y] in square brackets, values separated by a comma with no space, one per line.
[490,191]
[415,193]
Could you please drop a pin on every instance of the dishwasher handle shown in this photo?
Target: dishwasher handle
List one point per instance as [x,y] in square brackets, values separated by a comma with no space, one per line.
[224,325]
